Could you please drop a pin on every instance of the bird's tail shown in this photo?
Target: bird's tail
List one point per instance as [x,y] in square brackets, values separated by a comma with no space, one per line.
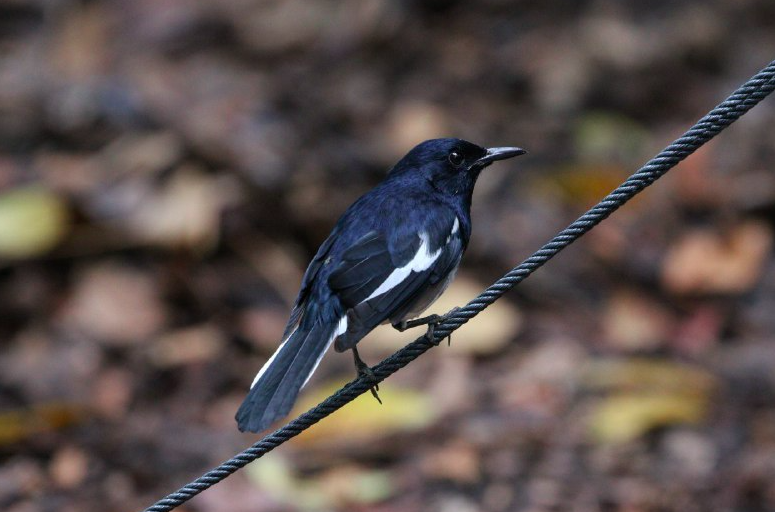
[277,384]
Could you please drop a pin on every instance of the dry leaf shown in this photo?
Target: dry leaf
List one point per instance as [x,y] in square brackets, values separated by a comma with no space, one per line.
[705,261]
[457,462]
[334,488]
[69,467]
[186,346]
[186,212]
[634,322]
[624,417]
[646,394]
[647,374]
[350,484]
[116,304]
[20,424]
[142,154]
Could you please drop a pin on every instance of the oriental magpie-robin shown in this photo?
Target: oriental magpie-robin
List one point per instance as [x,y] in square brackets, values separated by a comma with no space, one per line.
[389,257]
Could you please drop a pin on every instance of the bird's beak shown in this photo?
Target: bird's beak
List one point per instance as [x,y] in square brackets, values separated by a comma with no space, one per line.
[494,154]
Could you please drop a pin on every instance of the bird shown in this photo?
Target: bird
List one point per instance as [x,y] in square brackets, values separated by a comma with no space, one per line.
[388,258]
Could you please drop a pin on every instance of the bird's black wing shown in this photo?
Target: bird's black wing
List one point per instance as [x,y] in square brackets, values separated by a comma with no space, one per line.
[306,283]
[365,266]
[440,274]
[375,283]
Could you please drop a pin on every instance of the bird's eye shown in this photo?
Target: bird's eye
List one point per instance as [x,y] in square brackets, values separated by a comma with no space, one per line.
[455,158]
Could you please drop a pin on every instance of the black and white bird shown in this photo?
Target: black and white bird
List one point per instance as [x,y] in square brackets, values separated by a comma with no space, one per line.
[389,257]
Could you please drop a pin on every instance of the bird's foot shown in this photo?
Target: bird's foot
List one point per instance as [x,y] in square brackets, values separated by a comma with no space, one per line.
[431,321]
[364,369]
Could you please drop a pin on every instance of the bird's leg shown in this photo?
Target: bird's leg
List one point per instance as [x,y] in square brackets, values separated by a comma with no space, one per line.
[408,324]
[364,369]
[431,321]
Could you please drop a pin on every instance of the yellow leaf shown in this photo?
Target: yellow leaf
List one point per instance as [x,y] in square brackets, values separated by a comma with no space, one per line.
[32,221]
[365,418]
[645,394]
[337,486]
[653,375]
[20,424]
[625,417]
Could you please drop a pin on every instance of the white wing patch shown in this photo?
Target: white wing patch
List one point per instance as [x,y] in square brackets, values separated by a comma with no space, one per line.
[422,260]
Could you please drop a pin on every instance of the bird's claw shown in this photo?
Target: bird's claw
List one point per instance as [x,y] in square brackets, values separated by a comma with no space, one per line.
[432,321]
[365,370]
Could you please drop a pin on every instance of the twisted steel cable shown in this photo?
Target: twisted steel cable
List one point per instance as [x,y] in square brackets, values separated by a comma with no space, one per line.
[731,109]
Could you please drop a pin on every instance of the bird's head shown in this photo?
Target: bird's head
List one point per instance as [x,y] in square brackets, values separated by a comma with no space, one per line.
[450,165]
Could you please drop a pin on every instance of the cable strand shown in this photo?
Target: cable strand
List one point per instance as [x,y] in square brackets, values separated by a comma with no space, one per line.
[738,103]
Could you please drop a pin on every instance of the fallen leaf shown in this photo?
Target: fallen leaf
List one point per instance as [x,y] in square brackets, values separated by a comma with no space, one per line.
[643,395]
[635,322]
[333,488]
[184,213]
[186,346]
[273,473]
[364,418]
[32,221]
[350,484]
[142,154]
[69,467]
[457,462]
[116,304]
[624,417]
[20,424]
[646,374]
[706,262]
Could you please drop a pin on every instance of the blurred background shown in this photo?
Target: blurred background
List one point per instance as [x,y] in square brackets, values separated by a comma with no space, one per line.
[169,167]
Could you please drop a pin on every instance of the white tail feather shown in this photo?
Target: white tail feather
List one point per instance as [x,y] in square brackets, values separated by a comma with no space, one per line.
[340,329]
[269,361]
